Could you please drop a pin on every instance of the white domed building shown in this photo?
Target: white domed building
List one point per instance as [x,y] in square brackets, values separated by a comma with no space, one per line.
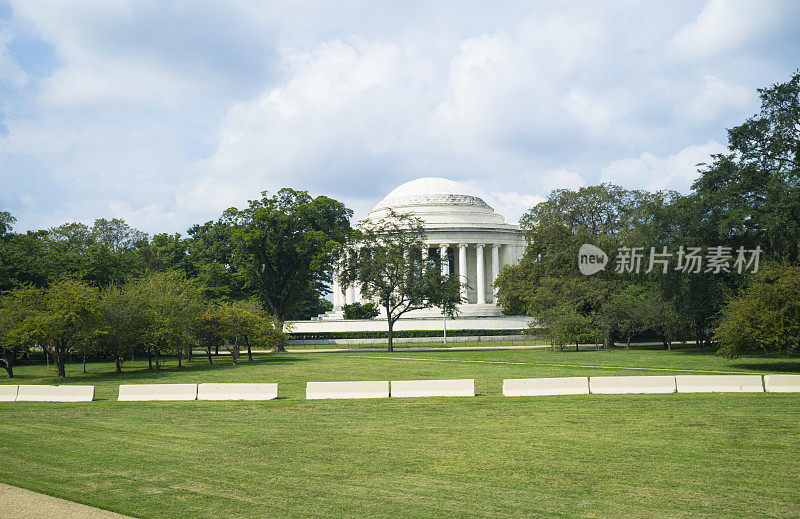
[458,223]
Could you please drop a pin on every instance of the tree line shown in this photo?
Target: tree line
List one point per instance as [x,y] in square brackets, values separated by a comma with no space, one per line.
[727,254]
[109,290]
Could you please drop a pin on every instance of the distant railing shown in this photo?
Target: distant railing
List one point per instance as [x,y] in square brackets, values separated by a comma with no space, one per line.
[420,342]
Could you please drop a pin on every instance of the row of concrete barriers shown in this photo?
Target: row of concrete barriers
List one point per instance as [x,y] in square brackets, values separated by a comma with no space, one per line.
[141,392]
[561,386]
[652,384]
[417,388]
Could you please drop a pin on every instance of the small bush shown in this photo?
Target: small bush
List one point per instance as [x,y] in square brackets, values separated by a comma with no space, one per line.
[360,311]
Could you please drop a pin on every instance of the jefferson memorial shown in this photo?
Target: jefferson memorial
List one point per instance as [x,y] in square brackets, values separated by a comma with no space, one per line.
[458,225]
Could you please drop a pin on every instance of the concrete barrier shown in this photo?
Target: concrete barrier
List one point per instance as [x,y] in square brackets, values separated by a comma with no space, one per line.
[371,389]
[782,383]
[719,383]
[413,388]
[546,386]
[55,393]
[636,384]
[142,392]
[8,393]
[237,391]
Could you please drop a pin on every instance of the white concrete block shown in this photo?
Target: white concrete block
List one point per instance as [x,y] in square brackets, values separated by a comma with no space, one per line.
[55,393]
[371,389]
[719,383]
[412,388]
[546,386]
[782,383]
[636,384]
[142,392]
[237,391]
[8,393]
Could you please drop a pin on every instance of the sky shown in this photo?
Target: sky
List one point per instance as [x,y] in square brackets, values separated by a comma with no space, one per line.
[167,113]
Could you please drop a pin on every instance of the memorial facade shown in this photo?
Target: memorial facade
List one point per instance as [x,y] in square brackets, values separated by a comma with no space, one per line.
[460,226]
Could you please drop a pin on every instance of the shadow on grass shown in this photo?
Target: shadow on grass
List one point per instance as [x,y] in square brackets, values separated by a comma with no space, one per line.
[786,366]
[139,371]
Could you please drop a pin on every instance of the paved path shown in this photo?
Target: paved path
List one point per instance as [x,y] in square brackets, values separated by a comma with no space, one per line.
[18,503]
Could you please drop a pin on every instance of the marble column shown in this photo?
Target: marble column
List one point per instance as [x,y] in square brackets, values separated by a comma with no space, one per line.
[349,294]
[495,269]
[335,290]
[481,281]
[462,270]
[445,262]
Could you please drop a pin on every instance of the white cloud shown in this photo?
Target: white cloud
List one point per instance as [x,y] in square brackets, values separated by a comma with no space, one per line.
[714,99]
[650,172]
[727,25]
[513,205]
[167,113]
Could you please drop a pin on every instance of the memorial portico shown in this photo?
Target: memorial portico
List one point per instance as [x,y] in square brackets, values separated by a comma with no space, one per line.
[459,226]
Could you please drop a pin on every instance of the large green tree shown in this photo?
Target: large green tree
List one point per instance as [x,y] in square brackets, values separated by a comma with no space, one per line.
[67,316]
[764,317]
[751,196]
[386,261]
[284,245]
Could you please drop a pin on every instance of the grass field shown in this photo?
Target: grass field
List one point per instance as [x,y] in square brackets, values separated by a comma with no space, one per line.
[733,455]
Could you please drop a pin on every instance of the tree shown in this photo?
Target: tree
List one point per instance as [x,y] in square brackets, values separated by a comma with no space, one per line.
[284,244]
[6,223]
[765,316]
[209,330]
[16,306]
[627,309]
[245,323]
[68,316]
[752,194]
[547,277]
[386,261]
[124,315]
[116,235]
[564,325]
[664,318]
[173,307]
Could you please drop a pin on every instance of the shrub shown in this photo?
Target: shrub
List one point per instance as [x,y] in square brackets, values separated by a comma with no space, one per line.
[360,311]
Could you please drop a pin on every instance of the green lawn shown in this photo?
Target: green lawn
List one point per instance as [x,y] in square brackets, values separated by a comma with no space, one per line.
[591,455]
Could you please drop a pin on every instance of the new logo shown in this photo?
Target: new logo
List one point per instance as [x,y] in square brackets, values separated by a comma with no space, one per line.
[591,259]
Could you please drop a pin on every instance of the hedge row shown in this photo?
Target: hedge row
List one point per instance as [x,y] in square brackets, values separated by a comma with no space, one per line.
[310,336]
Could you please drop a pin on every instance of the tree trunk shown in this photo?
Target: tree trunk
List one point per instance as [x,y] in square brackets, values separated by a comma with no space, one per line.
[180,356]
[158,358]
[150,359]
[390,346]
[279,327]
[208,350]
[7,365]
[628,343]
[249,352]
[84,362]
[216,348]
[117,364]
[576,346]
[62,372]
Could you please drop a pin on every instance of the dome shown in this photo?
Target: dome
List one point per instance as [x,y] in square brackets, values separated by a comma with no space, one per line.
[430,191]
[437,201]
